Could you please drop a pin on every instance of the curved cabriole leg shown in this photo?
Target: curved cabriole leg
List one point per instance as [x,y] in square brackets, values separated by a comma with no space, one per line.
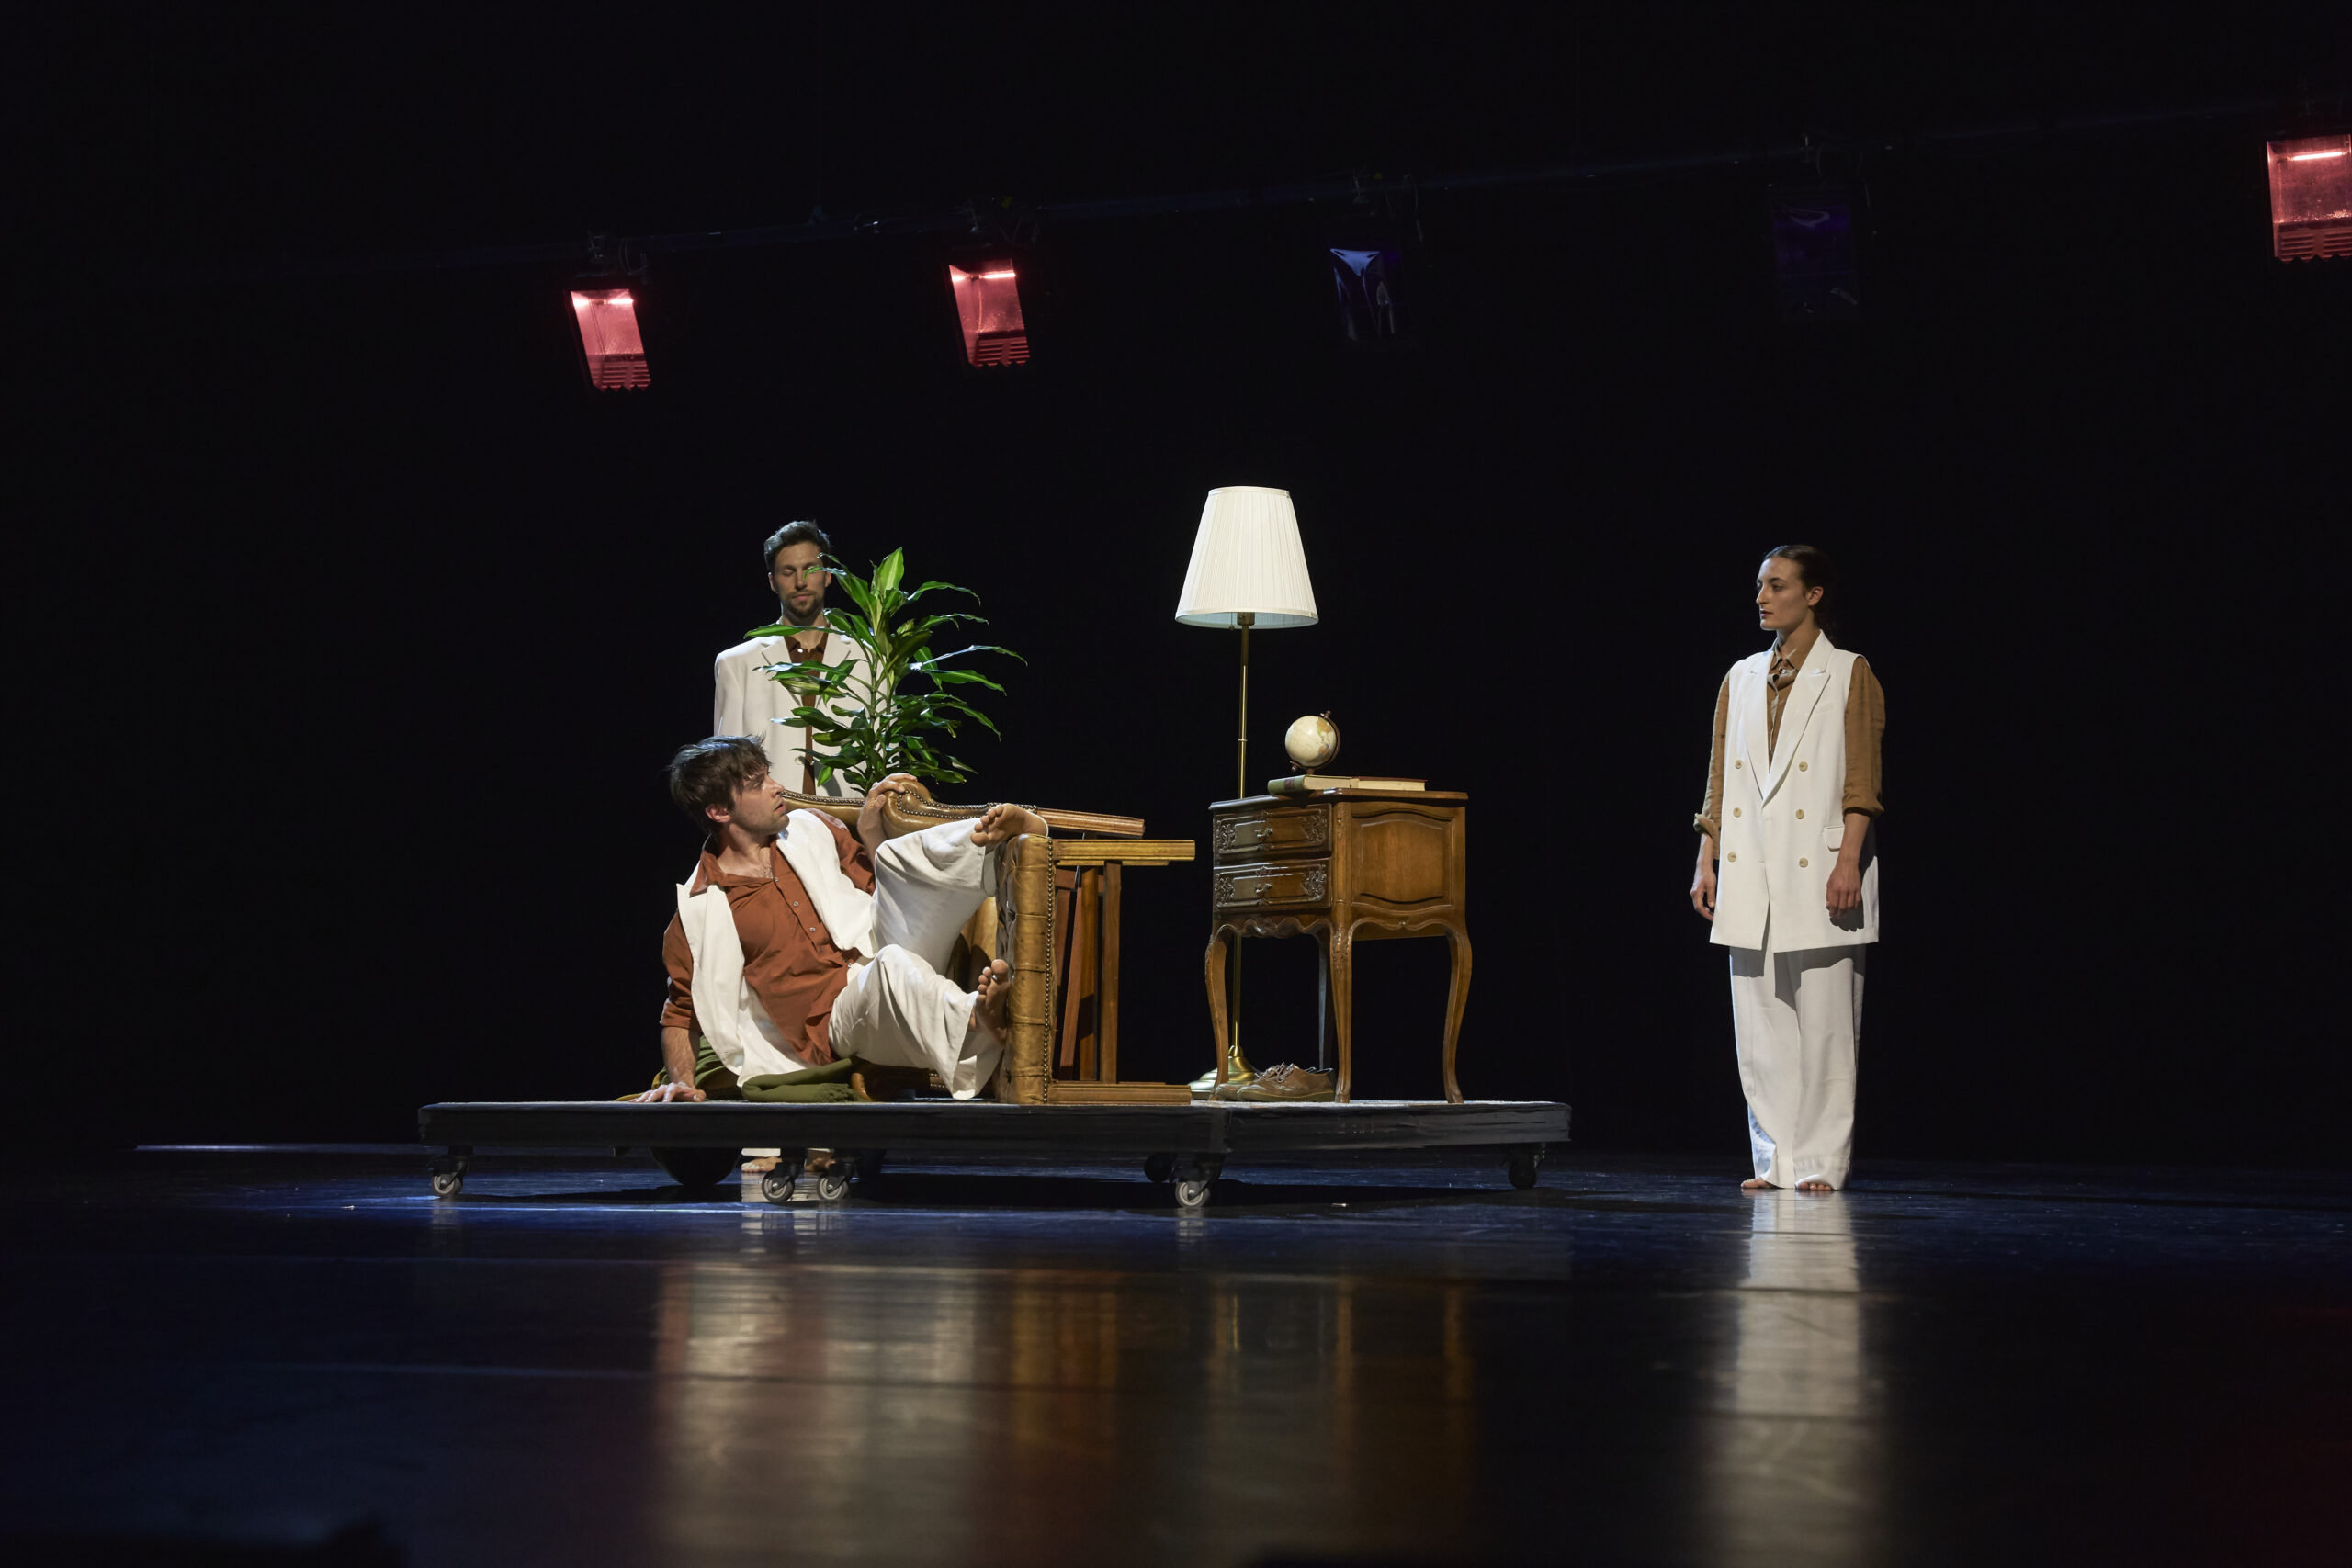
[1457,996]
[1343,1005]
[1212,971]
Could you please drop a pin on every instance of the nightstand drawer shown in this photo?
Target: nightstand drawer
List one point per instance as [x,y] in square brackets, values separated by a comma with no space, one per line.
[1276,831]
[1268,886]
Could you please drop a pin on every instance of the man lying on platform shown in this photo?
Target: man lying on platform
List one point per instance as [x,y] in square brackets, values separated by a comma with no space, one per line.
[799,952]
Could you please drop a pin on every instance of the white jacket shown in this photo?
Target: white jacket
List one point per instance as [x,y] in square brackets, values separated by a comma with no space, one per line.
[726,1010]
[1784,811]
[746,702]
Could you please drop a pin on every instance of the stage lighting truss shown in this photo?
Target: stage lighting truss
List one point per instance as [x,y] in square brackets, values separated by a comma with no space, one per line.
[1816,274]
[2310,198]
[987,289]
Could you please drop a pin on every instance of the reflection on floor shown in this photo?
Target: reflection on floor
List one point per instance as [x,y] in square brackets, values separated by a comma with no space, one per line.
[1635,1363]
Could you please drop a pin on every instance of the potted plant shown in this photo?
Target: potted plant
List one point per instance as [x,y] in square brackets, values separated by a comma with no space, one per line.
[864,708]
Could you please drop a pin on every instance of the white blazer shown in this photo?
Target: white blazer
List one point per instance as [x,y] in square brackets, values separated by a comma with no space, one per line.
[1784,811]
[726,1009]
[746,702]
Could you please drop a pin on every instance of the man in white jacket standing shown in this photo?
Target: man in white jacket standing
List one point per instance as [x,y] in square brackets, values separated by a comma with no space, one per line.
[748,701]
[1792,794]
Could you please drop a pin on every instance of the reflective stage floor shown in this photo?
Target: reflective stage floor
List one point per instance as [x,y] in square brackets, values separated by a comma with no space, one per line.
[1632,1363]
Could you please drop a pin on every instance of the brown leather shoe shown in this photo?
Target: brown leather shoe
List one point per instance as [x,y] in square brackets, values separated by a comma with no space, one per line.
[1288,1082]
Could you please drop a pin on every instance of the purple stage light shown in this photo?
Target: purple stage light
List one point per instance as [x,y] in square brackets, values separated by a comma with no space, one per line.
[1813,254]
[1370,281]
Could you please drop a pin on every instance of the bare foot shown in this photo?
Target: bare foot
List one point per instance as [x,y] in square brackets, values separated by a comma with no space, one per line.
[762,1166]
[1005,820]
[1816,1185]
[990,1000]
[1756,1184]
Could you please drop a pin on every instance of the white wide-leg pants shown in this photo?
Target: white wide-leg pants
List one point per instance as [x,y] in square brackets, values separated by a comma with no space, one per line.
[1796,1019]
[899,1009]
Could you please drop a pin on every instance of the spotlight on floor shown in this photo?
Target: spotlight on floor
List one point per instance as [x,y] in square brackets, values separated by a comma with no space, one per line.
[2310,198]
[1368,276]
[612,347]
[988,307]
[1817,277]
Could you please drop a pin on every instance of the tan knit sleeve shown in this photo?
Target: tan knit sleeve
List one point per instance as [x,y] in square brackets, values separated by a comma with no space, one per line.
[1711,809]
[1865,728]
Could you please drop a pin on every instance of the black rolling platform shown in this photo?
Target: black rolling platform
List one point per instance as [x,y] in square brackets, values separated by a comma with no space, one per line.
[1185,1145]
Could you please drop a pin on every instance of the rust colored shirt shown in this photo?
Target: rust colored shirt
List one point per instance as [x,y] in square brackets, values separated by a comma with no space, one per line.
[790,958]
[1865,728]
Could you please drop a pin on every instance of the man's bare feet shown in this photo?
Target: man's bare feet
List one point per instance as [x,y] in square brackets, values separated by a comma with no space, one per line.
[1814,1185]
[1005,820]
[989,1000]
[761,1165]
[1754,1184]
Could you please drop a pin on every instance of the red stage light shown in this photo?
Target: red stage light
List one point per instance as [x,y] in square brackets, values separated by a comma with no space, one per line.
[609,338]
[988,303]
[2310,198]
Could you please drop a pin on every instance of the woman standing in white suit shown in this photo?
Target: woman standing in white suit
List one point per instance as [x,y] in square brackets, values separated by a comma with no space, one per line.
[1788,870]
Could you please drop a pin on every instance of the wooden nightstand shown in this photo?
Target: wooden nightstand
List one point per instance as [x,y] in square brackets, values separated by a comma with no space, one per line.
[1343,866]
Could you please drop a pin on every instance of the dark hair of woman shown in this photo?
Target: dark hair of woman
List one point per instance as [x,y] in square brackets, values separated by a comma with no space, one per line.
[1814,564]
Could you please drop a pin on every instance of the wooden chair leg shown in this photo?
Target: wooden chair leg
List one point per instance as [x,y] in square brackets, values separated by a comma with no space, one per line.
[1106,994]
[1457,996]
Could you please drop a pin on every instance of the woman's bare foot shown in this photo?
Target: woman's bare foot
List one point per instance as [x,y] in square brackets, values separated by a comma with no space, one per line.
[1814,1185]
[990,998]
[1005,820]
[1754,1184]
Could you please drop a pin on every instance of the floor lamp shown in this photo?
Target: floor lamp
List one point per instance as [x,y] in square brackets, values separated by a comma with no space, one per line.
[1247,572]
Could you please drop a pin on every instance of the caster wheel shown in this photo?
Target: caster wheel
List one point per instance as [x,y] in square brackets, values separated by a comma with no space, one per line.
[1192,1193]
[1160,1167]
[833,1184]
[1523,1166]
[777,1184]
[448,1183]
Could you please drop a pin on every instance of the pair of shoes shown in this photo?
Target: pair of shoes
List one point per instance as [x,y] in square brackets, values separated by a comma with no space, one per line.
[869,1081]
[1285,1083]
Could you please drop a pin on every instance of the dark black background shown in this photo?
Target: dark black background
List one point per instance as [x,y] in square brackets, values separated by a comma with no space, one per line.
[350,633]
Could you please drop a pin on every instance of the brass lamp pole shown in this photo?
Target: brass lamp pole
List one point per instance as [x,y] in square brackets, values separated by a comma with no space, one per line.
[1245,620]
[1238,1067]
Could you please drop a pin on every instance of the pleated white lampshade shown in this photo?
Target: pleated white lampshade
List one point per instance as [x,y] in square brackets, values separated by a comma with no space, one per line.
[1247,559]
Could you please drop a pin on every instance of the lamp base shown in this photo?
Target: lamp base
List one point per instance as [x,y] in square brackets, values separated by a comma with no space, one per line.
[1237,1070]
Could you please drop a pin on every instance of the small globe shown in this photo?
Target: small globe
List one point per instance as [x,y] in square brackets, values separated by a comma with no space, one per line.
[1312,742]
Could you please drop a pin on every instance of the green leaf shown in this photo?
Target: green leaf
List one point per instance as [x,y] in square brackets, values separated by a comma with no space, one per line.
[893,567]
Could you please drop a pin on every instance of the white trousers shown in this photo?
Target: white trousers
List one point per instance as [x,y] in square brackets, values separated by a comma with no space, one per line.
[1796,1019]
[899,1009]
